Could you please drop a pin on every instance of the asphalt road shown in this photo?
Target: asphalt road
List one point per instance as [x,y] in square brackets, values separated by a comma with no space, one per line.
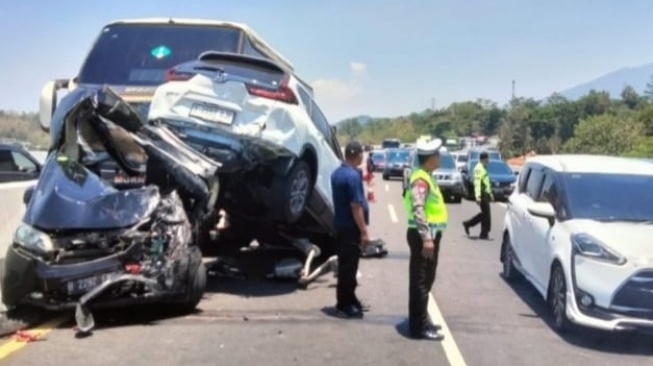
[257,321]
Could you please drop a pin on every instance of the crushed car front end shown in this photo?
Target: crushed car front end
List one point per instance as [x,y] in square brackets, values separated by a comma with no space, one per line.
[88,239]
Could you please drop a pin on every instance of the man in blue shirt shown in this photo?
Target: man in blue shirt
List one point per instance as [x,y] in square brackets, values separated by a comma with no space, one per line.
[351,218]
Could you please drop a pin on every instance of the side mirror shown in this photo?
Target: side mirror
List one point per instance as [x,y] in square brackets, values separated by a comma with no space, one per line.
[27,195]
[542,209]
[48,102]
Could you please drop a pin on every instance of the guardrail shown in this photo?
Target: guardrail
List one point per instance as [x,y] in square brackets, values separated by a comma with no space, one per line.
[13,209]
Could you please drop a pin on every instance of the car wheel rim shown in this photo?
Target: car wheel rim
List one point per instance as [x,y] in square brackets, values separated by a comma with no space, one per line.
[298,192]
[559,297]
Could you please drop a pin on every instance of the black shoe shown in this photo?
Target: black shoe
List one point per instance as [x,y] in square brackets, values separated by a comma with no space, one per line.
[363,307]
[434,327]
[349,312]
[466,227]
[427,334]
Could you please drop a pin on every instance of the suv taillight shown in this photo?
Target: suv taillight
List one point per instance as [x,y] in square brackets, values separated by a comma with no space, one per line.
[283,93]
[173,75]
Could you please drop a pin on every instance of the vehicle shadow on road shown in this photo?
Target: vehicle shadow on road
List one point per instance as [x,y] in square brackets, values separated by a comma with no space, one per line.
[596,340]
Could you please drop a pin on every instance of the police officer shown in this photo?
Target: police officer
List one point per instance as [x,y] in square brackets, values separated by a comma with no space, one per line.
[427,219]
[483,195]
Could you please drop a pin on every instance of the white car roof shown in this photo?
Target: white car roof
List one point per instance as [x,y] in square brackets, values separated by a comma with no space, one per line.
[579,163]
[254,37]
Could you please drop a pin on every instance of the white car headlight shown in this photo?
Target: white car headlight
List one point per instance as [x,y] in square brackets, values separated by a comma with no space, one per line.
[590,247]
[457,177]
[32,239]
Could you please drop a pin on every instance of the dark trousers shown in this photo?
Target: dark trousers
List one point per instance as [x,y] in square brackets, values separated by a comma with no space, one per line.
[348,243]
[421,279]
[483,217]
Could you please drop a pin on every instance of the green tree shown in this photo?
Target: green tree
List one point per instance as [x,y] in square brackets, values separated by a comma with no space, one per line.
[630,97]
[605,134]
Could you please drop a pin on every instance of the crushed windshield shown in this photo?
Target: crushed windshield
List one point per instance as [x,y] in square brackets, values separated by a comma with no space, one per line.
[609,197]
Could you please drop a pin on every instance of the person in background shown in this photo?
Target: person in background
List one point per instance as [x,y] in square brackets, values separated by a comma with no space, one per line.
[351,218]
[427,219]
[483,195]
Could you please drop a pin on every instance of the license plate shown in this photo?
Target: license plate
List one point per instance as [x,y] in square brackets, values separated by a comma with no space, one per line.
[211,113]
[82,285]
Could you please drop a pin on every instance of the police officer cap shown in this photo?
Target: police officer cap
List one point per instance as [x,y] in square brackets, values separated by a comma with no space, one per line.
[429,148]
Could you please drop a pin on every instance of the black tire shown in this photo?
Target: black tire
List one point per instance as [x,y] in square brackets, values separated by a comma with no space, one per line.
[457,199]
[386,177]
[291,193]
[196,288]
[558,300]
[509,272]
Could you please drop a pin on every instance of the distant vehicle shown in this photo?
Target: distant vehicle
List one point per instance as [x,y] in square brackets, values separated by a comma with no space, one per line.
[502,179]
[376,160]
[391,143]
[461,159]
[396,161]
[578,228]
[17,164]
[475,153]
[135,56]
[449,179]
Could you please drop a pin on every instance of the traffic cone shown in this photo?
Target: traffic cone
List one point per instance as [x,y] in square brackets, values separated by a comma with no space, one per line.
[370,194]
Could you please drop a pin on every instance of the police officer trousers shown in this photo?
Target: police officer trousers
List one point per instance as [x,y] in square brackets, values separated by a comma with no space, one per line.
[421,279]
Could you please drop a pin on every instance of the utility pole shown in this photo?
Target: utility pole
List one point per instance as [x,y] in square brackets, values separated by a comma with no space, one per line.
[433,104]
[513,90]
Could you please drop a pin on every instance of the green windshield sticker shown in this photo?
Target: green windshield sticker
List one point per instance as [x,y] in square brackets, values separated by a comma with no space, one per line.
[161,52]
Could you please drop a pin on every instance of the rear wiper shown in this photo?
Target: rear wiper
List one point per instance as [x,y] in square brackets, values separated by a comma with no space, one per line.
[614,219]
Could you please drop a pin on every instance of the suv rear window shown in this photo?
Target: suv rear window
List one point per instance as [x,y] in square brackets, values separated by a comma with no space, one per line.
[140,54]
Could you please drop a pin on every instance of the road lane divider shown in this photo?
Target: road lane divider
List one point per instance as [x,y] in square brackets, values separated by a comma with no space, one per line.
[449,345]
[393,213]
[16,344]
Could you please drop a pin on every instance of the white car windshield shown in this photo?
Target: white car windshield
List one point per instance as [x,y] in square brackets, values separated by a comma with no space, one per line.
[609,197]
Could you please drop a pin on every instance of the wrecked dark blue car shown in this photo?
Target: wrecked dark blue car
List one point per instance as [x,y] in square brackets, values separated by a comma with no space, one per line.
[115,217]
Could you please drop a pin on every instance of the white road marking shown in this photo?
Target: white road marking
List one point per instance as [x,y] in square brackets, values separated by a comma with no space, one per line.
[448,343]
[393,213]
[387,187]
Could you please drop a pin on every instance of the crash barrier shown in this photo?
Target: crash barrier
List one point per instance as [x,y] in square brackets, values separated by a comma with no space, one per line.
[13,208]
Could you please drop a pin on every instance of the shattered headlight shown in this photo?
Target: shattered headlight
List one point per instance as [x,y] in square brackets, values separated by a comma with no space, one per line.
[32,239]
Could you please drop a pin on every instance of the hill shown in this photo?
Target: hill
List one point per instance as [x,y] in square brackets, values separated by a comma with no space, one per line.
[614,82]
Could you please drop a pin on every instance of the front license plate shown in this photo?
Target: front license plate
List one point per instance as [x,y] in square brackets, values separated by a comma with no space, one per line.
[82,285]
[211,113]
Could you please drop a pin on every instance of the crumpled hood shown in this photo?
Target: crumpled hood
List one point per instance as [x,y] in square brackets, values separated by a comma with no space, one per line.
[632,240]
[69,196]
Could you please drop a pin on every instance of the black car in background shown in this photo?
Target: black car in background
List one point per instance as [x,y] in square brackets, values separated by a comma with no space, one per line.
[396,161]
[502,179]
[17,164]
[376,161]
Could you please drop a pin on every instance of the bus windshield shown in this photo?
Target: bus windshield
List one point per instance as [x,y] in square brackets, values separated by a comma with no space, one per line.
[140,54]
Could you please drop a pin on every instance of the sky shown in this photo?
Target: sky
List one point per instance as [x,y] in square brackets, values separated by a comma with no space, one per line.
[363,57]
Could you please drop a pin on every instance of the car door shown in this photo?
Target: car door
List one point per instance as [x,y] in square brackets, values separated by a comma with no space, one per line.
[16,166]
[521,218]
[542,240]
[329,153]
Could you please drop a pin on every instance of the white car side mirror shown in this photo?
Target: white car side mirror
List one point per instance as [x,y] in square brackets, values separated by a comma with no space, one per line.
[47,104]
[542,209]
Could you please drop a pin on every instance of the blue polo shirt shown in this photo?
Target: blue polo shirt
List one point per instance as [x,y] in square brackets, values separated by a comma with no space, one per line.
[347,187]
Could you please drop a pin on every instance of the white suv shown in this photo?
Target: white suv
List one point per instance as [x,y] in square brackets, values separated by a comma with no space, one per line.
[260,122]
[579,228]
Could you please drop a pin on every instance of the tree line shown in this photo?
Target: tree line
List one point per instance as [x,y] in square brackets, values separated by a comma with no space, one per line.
[22,127]
[594,124]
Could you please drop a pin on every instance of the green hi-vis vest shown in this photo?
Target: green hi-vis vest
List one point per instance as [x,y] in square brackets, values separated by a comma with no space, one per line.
[481,181]
[434,207]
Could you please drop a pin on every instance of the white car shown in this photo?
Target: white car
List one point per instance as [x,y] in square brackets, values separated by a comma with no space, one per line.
[579,229]
[260,122]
